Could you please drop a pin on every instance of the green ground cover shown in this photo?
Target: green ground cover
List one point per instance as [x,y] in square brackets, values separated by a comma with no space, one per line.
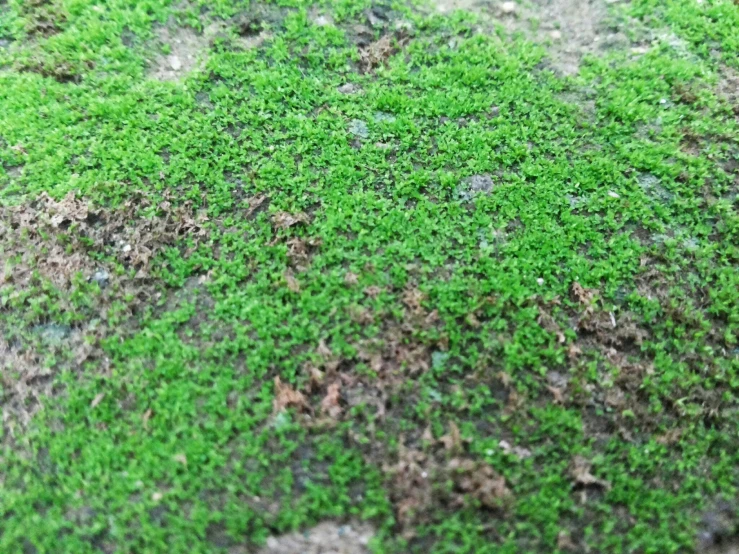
[366,262]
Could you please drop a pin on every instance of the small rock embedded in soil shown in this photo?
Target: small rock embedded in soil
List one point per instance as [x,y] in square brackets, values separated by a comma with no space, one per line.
[650,184]
[508,8]
[556,379]
[438,359]
[359,129]
[53,333]
[349,88]
[475,185]
[101,277]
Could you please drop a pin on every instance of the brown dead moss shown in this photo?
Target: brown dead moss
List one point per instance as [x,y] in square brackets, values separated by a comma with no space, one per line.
[59,246]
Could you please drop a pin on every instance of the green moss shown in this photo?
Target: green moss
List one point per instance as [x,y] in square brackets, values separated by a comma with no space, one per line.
[171,433]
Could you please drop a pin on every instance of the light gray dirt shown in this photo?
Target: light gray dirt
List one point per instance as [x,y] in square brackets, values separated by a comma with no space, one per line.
[325,538]
[574,28]
[188,52]
[571,29]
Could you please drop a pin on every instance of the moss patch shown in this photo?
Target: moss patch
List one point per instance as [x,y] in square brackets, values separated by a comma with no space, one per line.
[365,264]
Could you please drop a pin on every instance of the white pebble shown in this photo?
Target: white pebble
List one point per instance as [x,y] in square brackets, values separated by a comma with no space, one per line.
[613,194]
[508,7]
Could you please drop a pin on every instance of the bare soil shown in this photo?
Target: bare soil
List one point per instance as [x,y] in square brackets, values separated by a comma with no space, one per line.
[325,538]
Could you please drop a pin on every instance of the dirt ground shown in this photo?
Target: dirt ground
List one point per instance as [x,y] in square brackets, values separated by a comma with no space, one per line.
[326,538]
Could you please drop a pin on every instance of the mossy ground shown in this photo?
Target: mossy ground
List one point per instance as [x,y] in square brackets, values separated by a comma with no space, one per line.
[362,261]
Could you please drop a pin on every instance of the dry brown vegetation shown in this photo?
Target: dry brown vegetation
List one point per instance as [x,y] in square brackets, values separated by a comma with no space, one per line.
[59,246]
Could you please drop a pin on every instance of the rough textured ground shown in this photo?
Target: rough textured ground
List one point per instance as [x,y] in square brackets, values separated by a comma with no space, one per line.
[360,276]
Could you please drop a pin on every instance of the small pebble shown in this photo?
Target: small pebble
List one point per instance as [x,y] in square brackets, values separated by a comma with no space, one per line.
[556,35]
[508,7]
[613,194]
[101,277]
[349,88]
[540,281]
[175,63]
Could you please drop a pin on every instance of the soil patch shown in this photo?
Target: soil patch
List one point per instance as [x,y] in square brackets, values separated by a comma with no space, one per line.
[571,28]
[93,266]
[325,538]
[188,52]
[575,28]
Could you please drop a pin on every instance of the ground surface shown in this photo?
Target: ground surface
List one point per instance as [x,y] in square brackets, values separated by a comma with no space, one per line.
[360,276]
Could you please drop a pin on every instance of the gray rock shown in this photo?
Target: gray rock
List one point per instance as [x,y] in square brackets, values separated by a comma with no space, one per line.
[691,243]
[349,88]
[438,359]
[651,186]
[575,201]
[359,129]
[383,117]
[53,332]
[475,185]
[556,379]
[101,277]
